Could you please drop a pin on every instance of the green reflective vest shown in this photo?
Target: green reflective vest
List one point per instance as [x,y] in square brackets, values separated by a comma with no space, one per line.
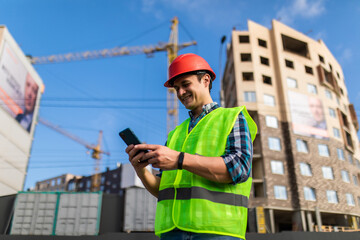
[192,203]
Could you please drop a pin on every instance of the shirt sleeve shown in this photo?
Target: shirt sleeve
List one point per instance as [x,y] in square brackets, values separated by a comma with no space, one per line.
[239,151]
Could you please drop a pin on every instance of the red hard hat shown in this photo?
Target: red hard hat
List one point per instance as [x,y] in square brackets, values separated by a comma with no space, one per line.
[185,63]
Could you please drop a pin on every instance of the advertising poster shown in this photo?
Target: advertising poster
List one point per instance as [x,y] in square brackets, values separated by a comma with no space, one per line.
[308,116]
[18,89]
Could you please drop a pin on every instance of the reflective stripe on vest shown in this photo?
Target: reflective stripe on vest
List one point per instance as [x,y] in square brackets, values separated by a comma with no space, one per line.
[192,203]
[202,193]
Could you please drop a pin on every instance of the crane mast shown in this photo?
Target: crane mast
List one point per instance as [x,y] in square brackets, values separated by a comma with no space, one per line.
[172,103]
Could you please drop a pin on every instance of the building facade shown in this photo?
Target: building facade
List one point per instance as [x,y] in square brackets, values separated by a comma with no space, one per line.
[59,183]
[20,92]
[109,182]
[306,169]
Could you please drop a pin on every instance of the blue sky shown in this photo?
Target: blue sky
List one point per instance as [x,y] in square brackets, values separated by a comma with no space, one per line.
[112,94]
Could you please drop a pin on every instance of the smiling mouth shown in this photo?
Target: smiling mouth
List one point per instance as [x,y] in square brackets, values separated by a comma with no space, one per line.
[186,98]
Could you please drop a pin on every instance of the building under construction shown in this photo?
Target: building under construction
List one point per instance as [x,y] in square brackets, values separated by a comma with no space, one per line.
[306,169]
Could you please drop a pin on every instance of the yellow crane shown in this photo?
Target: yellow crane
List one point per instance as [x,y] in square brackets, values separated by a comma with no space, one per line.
[96,151]
[171,47]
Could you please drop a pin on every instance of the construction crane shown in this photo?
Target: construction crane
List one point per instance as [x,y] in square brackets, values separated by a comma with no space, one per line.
[95,154]
[171,47]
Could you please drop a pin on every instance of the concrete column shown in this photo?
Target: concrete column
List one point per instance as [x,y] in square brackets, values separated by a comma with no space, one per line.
[310,222]
[318,219]
[303,220]
[272,220]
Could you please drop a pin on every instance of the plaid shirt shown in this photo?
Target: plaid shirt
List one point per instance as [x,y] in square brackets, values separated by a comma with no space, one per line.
[239,148]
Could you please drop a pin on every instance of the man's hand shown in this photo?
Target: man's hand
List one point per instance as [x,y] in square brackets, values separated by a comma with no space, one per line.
[135,159]
[159,156]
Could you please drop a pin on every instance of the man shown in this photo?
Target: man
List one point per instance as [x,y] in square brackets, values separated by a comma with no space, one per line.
[31,90]
[317,112]
[204,186]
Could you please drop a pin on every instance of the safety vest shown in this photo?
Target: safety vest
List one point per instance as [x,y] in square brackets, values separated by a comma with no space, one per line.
[192,203]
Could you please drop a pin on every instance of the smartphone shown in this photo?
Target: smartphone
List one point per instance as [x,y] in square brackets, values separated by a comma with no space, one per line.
[129,138]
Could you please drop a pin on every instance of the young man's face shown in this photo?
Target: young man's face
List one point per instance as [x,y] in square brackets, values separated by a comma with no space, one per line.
[31,89]
[192,93]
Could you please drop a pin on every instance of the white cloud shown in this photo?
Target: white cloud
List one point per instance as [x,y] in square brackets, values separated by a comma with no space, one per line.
[346,55]
[208,13]
[301,8]
[148,6]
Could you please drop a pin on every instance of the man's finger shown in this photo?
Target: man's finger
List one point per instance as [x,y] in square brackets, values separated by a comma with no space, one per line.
[128,149]
[146,146]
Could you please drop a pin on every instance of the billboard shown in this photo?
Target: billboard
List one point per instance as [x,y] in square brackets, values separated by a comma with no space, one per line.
[308,116]
[18,89]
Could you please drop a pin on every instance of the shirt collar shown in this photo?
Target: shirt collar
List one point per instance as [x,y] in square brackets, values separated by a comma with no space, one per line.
[207,108]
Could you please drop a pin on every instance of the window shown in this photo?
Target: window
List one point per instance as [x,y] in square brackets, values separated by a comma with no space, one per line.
[289,64]
[264,60]
[332,196]
[351,160]
[330,66]
[340,154]
[336,132]
[338,75]
[88,184]
[244,39]
[274,143]
[269,100]
[350,199]
[323,150]
[328,94]
[309,70]
[338,101]
[280,192]
[102,187]
[355,180]
[245,57]
[309,194]
[321,58]
[262,43]
[342,91]
[327,172]
[277,167]
[348,139]
[102,179]
[301,146]
[114,186]
[345,176]
[271,121]
[114,175]
[332,113]
[71,186]
[295,46]
[266,79]
[357,163]
[291,83]
[312,88]
[305,169]
[249,96]
[248,76]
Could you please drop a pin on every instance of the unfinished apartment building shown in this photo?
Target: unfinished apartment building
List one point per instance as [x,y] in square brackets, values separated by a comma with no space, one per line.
[306,169]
